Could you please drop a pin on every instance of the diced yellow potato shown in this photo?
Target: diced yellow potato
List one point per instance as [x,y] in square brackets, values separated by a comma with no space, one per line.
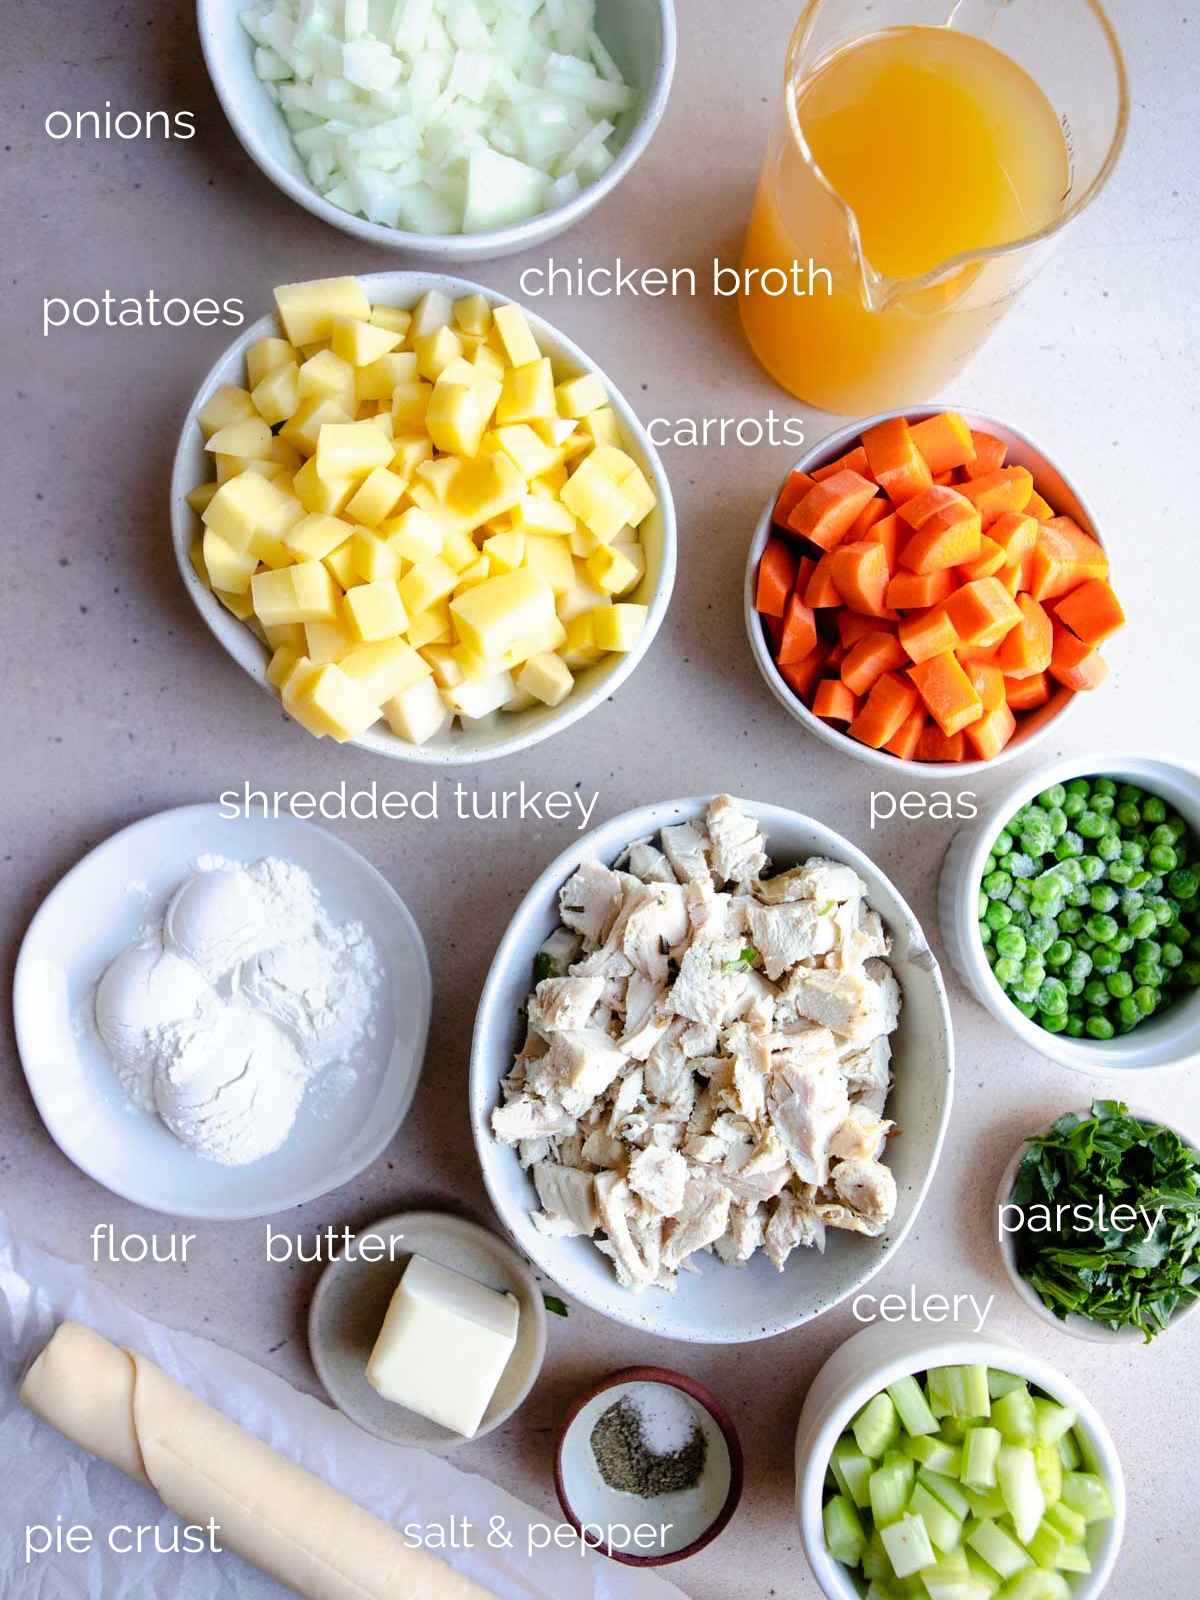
[228,569]
[297,679]
[547,678]
[530,455]
[598,502]
[602,427]
[303,593]
[327,641]
[277,396]
[290,634]
[271,552]
[444,663]
[635,554]
[375,611]
[200,496]
[481,697]
[303,428]
[351,450]
[339,564]
[505,551]
[280,666]
[485,489]
[314,537]
[246,506]
[459,550]
[611,570]
[516,336]
[321,498]
[377,498]
[227,406]
[618,627]
[360,342]
[251,439]
[428,582]
[385,669]
[409,453]
[433,311]
[308,310]
[326,376]
[392,318]
[585,544]
[410,403]
[528,393]
[264,356]
[512,606]
[419,713]
[196,557]
[578,397]
[373,558]
[473,314]
[535,514]
[431,627]
[636,489]
[489,363]
[337,704]
[579,649]
[435,352]
[439,475]
[455,419]
[550,554]
[414,535]
[377,381]
[519,702]
[478,572]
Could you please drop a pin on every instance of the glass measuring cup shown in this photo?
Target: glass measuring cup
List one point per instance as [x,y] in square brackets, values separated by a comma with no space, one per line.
[875,340]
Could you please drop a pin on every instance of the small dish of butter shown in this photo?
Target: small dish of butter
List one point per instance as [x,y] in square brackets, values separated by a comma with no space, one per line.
[428,1330]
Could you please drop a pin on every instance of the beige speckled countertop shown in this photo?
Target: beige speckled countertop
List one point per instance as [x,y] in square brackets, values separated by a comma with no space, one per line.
[117,703]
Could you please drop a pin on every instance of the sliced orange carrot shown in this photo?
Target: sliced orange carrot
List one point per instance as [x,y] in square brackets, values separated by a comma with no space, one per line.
[776,578]
[968,653]
[949,538]
[992,732]
[1027,694]
[877,510]
[820,592]
[988,682]
[860,575]
[833,661]
[948,693]
[904,742]
[834,702]
[799,638]
[1005,490]
[1092,612]
[1075,664]
[890,532]
[773,628]
[988,562]
[928,633]
[916,591]
[1016,531]
[853,626]
[801,676]
[917,511]
[853,461]
[1025,651]
[1038,508]
[1063,558]
[944,480]
[945,441]
[868,660]
[934,745]
[790,497]
[804,573]
[987,455]
[896,463]
[983,612]
[827,512]
[1011,578]
[891,702]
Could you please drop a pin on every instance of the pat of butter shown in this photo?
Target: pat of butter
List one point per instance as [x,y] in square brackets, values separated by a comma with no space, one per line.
[444,1345]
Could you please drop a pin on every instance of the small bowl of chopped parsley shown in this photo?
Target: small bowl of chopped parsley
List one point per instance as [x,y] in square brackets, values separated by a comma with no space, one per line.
[1098,1219]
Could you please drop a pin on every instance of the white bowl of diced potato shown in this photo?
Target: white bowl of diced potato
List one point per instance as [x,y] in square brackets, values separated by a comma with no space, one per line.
[421,518]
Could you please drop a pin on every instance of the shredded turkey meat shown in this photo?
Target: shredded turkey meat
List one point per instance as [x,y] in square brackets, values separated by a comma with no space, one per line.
[707,1057]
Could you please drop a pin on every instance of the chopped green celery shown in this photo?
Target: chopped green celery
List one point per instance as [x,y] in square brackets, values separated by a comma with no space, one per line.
[912,1406]
[947,1491]
[937,1392]
[875,1562]
[953,1585]
[876,1428]
[1069,1523]
[984,1503]
[1046,1546]
[1037,1585]
[980,1449]
[889,1488]
[954,1429]
[1014,1415]
[934,1454]
[1053,1420]
[1023,1497]
[983,1574]
[902,1463]
[1049,1471]
[1000,1383]
[879,1591]
[908,1546]
[998,1548]
[967,1390]
[943,1527]
[844,1536]
[852,1471]
[1085,1493]
[1068,1449]
[1074,1558]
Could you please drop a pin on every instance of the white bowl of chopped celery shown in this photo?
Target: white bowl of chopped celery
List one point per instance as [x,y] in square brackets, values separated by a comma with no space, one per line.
[443,128]
[889,1480]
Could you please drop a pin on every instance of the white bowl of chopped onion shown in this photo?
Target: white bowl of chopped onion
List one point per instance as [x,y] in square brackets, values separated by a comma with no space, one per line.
[719,1304]
[455,129]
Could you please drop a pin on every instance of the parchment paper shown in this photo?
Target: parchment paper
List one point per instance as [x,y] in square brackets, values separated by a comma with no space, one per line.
[43,1478]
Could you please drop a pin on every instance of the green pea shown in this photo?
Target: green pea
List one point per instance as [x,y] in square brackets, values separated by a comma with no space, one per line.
[1172,955]
[1074,1023]
[1146,1000]
[1122,943]
[1059,953]
[1109,848]
[1080,786]
[1129,850]
[1189,974]
[1103,897]
[1147,950]
[1041,935]
[997,915]
[1128,815]
[1052,797]
[1074,806]
[1011,942]
[1071,844]
[1154,810]
[1103,805]
[1105,960]
[1053,1021]
[997,885]
[1102,927]
[1184,884]
[1007,970]
[1148,973]
[1018,900]
[1119,985]
[1025,1007]
[1091,826]
[1083,939]
[1071,919]
[1097,993]
[1143,924]
[1163,858]
[1003,844]
[1052,996]
[1099,1027]
[1105,786]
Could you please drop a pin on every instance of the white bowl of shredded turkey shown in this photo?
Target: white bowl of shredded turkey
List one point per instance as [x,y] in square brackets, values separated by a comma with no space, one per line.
[712,1070]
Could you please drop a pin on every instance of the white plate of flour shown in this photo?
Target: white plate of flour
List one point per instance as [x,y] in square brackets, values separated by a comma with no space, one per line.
[258,1041]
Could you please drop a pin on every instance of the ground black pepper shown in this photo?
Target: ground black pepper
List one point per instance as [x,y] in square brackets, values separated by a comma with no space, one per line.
[626,1464]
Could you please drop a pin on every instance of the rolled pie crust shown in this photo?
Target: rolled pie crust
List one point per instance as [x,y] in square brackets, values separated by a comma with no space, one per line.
[122,1408]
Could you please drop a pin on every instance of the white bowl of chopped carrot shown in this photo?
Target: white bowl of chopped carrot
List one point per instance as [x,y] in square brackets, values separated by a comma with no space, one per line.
[929,588]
